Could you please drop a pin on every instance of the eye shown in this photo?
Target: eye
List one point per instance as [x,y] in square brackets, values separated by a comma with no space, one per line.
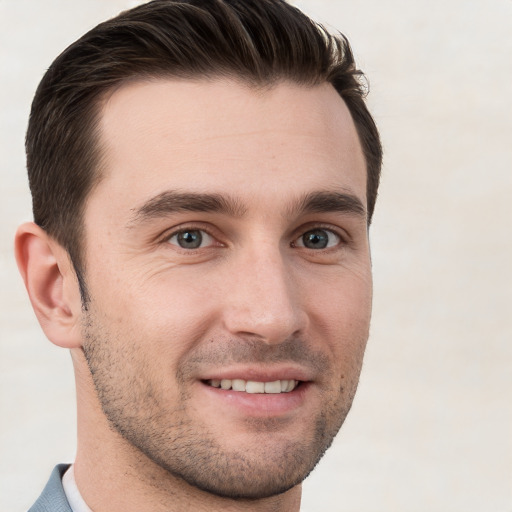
[191,239]
[318,239]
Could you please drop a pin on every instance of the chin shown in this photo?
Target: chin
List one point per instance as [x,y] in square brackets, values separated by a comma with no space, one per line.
[267,464]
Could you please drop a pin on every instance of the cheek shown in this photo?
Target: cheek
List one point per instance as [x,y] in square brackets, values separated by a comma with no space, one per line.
[341,318]
[345,299]
[165,315]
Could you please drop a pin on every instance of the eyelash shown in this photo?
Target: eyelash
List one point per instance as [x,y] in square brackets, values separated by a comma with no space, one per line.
[341,238]
[193,228]
[299,241]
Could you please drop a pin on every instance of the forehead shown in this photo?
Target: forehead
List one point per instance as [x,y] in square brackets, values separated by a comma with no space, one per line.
[225,137]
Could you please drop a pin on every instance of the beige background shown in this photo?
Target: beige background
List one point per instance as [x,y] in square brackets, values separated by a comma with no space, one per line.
[431,426]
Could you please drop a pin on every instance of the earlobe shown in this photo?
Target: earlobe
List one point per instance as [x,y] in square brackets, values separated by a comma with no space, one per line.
[51,284]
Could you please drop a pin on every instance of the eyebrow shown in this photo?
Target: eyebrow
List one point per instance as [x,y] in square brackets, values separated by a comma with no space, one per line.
[329,201]
[170,202]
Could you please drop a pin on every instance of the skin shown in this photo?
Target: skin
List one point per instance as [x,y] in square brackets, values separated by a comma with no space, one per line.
[254,301]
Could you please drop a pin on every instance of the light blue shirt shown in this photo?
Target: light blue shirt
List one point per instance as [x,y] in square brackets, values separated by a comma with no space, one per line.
[53,497]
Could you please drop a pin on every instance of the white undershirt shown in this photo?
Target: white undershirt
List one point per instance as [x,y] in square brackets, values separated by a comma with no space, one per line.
[76,502]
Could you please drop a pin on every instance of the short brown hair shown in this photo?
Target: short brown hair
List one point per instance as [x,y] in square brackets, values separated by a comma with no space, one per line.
[257,41]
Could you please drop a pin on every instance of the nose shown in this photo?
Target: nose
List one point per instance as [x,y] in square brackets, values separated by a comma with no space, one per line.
[264,299]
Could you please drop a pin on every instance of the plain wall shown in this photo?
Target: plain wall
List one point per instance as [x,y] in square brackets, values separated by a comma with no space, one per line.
[431,425]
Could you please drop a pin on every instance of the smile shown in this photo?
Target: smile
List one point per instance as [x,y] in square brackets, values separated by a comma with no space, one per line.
[251,386]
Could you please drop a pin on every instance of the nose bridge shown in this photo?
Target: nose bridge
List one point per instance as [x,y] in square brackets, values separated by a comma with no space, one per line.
[263,298]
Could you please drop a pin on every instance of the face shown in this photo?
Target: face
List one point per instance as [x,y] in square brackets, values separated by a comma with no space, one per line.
[228,267]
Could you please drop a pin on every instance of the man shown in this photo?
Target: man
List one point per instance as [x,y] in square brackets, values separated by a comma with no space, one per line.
[203,177]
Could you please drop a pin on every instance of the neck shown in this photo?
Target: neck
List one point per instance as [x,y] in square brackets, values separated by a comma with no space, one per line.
[114,476]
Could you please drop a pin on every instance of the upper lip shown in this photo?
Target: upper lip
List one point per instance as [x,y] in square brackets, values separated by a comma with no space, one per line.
[261,374]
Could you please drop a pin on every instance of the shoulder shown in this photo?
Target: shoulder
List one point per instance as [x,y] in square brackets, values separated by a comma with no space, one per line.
[52,498]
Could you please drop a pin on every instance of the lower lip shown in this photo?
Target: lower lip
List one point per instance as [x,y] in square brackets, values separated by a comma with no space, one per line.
[258,404]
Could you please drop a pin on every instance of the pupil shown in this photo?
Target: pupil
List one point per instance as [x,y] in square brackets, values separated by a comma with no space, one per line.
[190,239]
[316,239]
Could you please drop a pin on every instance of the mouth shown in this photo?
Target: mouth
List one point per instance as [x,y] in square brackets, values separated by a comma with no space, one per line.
[264,393]
[255,387]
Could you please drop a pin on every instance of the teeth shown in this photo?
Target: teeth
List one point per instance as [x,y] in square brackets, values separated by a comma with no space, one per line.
[254,387]
[273,387]
[225,384]
[251,386]
[238,385]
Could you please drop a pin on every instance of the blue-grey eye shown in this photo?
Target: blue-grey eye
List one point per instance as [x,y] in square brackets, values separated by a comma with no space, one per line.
[318,239]
[191,239]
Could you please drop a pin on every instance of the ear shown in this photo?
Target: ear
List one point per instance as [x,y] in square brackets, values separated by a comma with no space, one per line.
[51,284]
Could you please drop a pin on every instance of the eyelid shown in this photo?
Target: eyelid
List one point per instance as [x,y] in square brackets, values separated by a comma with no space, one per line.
[190,226]
[341,234]
[300,243]
[206,239]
